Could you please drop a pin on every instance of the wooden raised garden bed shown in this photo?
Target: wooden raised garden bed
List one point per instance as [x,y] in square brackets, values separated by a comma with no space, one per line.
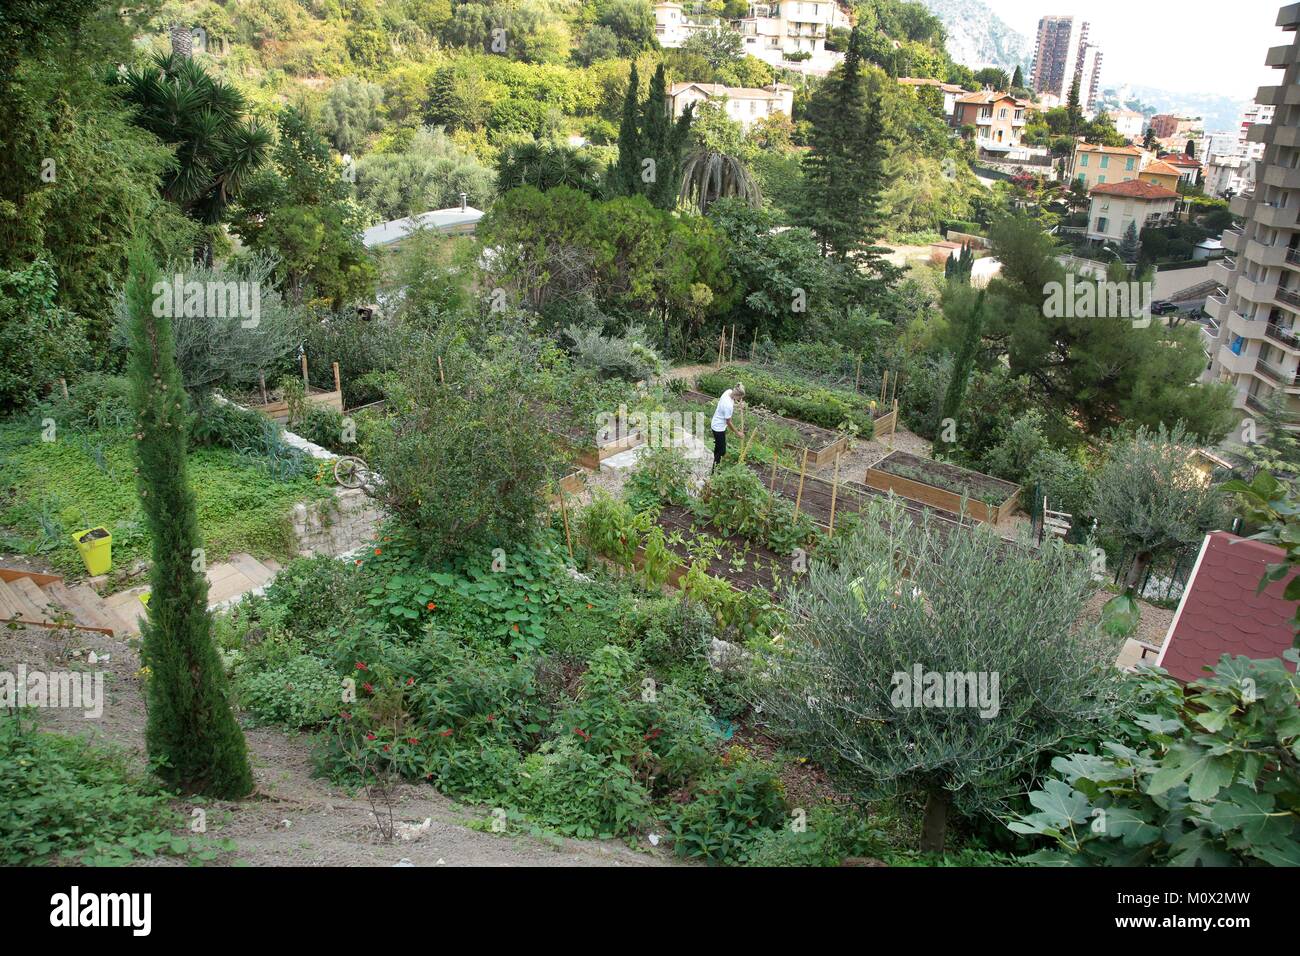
[823,444]
[743,564]
[319,397]
[944,486]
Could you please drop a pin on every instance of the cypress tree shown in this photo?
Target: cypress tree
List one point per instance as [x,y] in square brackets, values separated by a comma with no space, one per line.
[843,165]
[1072,111]
[1018,79]
[964,361]
[191,735]
[625,177]
[664,141]
[1130,244]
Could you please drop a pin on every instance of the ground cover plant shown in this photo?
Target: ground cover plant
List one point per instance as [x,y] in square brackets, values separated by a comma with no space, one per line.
[827,407]
[959,481]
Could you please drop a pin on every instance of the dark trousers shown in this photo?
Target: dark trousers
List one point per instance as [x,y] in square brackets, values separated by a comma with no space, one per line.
[719,447]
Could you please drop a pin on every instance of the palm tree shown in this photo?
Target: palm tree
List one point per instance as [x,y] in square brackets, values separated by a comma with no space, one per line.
[217,146]
[709,174]
[548,166]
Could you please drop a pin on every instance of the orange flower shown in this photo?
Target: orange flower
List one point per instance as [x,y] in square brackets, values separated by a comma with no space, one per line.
[431,606]
[379,550]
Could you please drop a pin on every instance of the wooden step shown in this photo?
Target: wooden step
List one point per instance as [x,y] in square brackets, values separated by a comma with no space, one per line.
[83,604]
[28,589]
[14,604]
[252,568]
[128,608]
[225,581]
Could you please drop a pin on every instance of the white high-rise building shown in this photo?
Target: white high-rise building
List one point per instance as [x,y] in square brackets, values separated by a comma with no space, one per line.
[1062,54]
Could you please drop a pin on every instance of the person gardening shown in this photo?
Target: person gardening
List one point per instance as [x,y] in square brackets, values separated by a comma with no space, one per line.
[722,421]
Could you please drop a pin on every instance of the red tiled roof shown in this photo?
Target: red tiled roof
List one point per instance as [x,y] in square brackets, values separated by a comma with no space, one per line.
[1135,189]
[1180,159]
[1220,613]
[1161,168]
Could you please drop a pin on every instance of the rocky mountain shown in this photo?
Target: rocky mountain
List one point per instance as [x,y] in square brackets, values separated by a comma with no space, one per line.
[979,37]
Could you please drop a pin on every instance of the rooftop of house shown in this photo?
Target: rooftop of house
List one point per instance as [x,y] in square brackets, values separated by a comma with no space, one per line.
[734,92]
[1180,159]
[930,81]
[1082,147]
[1134,189]
[1221,613]
[982,97]
[1161,168]
[439,220]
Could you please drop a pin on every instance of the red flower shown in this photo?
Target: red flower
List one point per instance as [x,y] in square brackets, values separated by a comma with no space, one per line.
[368,688]
[357,561]
[445,733]
[385,748]
[582,733]
[379,550]
[370,736]
[412,740]
[492,716]
[431,606]
[515,627]
[360,666]
[410,681]
[654,732]
[345,715]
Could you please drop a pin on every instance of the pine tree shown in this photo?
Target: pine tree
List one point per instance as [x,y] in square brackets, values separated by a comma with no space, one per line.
[1191,148]
[191,735]
[625,177]
[958,268]
[843,166]
[1018,79]
[1129,245]
[1149,139]
[964,361]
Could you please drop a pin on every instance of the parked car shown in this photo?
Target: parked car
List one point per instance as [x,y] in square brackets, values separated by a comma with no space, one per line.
[1163,307]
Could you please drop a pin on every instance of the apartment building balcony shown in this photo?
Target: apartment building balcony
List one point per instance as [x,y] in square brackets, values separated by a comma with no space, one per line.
[1216,306]
[1288,18]
[1274,375]
[1209,336]
[1264,255]
[1269,95]
[1224,271]
[1283,337]
[1293,257]
[1240,205]
[1290,95]
[1232,238]
[1254,290]
[1288,297]
[1238,324]
[1282,176]
[1274,214]
[1237,364]
[1291,420]
[1280,56]
[1288,136]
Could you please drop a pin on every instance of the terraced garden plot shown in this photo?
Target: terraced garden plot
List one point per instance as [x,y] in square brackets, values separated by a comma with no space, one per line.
[944,486]
[799,398]
[743,564]
[824,445]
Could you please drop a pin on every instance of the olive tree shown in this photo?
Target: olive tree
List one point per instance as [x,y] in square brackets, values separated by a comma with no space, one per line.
[938,662]
[1149,501]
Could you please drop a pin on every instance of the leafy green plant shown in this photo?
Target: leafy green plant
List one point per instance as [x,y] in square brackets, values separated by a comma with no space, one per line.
[661,476]
[1209,779]
[729,810]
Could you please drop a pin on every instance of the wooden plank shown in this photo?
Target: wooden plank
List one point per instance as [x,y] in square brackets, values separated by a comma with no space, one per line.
[251,568]
[39,579]
[28,589]
[15,606]
[74,602]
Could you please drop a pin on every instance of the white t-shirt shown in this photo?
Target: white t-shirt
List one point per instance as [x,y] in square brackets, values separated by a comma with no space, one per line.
[722,414]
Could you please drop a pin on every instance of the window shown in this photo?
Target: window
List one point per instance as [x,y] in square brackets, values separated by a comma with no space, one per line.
[1101,179]
[1102,222]
[1083,159]
[1105,161]
[1002,113]
[1129,164]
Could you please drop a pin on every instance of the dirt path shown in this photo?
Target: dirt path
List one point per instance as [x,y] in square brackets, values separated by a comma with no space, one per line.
[293,818]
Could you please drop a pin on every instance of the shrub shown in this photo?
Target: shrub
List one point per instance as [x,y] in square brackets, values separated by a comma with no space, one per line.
[581,794]
[817,405]
[729,810]
[39,341]
[661,476]
[832,833]
[64,800]
[300,693]
[628,357]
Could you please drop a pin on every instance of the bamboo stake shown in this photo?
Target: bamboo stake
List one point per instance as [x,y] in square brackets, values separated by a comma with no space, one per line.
[442,379]
[306,382]
[803,470]
[262,378]
[338,383]
[835,487]
[722,345]
[857,376]
[733,342]
[64,383]
[564,514]
[884,386]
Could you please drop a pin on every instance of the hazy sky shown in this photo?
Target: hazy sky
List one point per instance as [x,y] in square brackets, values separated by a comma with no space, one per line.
[1194,45]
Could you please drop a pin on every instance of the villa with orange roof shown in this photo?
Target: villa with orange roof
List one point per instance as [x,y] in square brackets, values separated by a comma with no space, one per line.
[1162,174]
[1096,165]
[998,119]
[1116,206]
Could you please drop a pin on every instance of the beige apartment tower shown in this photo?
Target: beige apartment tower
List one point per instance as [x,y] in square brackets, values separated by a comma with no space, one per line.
[1253,334]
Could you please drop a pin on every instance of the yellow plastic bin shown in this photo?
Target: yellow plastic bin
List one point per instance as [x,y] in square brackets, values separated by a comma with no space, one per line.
[96,548]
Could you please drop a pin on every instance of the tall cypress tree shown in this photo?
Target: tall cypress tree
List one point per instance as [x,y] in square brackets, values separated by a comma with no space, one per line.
[1018,79]
[191,735]
[964,361]
[625,177]
[843,166]
[1073,113]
